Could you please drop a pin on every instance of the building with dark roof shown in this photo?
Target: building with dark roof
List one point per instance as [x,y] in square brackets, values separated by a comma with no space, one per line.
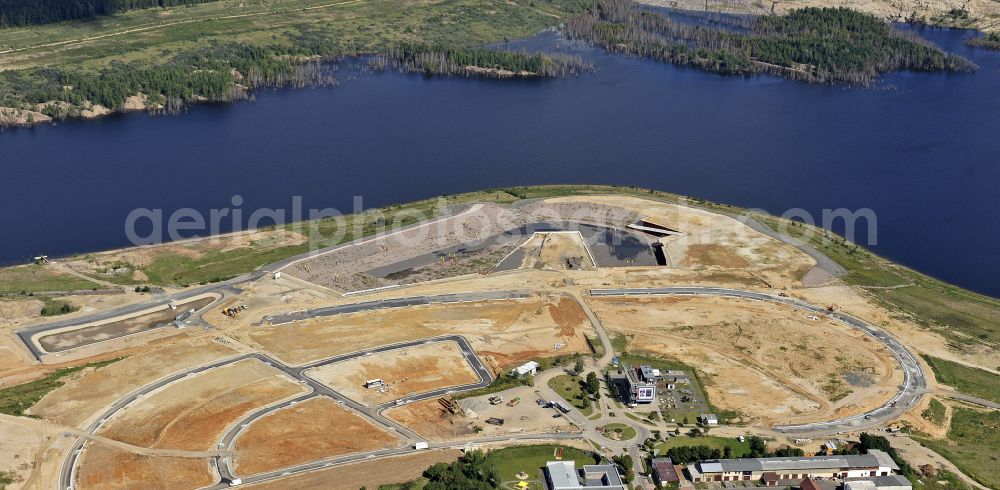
[664,471]
[631,385]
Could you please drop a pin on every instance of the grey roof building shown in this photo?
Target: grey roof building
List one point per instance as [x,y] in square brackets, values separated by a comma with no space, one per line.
[772,470]
[563,475]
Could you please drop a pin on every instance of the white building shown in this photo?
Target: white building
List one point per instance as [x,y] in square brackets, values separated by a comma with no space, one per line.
[709,419]
[772,470]
[530,367]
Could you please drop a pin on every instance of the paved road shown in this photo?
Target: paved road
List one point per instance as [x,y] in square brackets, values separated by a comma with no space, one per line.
[971,399]
[223,289]
[384,453]
[914,379]
[298,373]
[395,303]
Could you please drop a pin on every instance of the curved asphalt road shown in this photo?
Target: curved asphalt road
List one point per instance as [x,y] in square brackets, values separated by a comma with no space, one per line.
[395,303]
[318,389]
[914,379]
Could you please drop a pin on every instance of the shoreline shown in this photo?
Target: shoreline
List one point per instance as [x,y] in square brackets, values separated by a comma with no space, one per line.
[15,118]
[462,199]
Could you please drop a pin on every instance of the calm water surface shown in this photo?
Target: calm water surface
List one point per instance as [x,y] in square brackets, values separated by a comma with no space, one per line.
[921,150]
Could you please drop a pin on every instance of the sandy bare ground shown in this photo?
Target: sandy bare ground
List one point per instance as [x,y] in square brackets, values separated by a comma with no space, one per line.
[557,251]
[370,474]
[405,372]
[76,337]
[915,419]
[104,467]
[84,396]
[511,331]
[312,430]
[708,240]
[860,304]
[769,361]
[430,420]
[22,446]
[983,12]
[192,413]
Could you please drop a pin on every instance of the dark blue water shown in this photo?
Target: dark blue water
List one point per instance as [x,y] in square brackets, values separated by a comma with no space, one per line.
[922,155]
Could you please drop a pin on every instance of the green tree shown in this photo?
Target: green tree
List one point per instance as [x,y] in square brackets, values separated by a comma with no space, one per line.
[593,385]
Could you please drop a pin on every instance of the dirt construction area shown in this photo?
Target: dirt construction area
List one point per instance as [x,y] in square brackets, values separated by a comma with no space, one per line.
[104,467]
[192,413]
[88,335]
[510,331]
[770,362]
[560,251]
[404,372]
[315,429]
[91,391]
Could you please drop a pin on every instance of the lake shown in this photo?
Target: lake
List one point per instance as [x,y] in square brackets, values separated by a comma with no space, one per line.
[921,150]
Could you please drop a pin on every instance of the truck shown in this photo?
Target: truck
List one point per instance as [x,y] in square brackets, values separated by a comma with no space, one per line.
[495,400]
[562,406]
[235,482]
[420,445]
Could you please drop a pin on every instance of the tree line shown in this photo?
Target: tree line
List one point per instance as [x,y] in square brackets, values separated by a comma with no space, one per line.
[28,12]
[218,72]
[822,45]
[493,63]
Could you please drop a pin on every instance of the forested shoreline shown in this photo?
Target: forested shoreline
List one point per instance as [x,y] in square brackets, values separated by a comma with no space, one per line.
[813,45]
[484,63]
[819,45]
[32,12]
[987,41]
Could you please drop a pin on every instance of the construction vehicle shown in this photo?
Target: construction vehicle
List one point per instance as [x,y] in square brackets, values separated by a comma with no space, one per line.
[232,312]
[494,421]
[514,402]
[495,400]
[831,308]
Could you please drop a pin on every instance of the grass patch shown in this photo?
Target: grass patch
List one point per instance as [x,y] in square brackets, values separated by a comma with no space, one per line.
[28,279]
[6,478]
[619,432]
[501,383]
[971,444]
[968,380]
[962,316]
[571,388]
[740,449]
[55,307]
[619,343]
[531,459]
[935,412]
[16,399]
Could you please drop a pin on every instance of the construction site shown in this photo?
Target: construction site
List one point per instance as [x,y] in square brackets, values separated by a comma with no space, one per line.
[444,336]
